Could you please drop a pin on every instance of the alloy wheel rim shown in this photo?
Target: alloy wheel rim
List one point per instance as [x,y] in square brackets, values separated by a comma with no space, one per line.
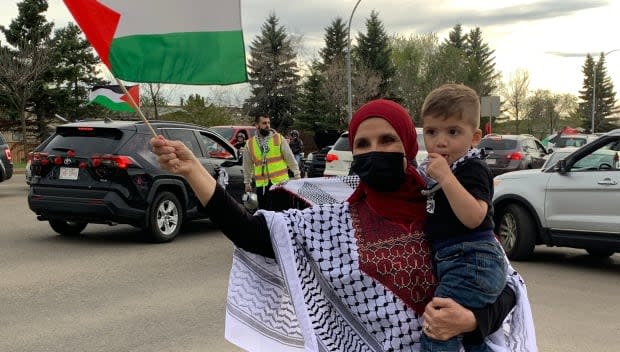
[167,217]
[507,231]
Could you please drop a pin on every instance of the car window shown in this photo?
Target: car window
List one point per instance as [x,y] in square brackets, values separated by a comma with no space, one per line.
[342,144]
[225,132]
[213,148]
[498,144]
[85,141]
[600,159]
[186,136]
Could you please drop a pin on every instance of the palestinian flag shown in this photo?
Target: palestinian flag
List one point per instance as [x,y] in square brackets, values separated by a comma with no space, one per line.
[181,41]
[113,98]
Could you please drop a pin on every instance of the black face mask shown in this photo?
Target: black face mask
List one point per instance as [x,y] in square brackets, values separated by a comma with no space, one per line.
[381,171]
[263,132]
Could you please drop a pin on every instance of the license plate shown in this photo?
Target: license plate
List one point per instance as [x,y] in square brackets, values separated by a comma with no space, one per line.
[69,173]
[491,161]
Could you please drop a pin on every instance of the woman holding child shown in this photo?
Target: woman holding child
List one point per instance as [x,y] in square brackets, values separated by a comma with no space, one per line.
[351,272]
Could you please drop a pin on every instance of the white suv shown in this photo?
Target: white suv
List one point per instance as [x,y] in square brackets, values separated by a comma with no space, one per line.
[572,203]
[338,159]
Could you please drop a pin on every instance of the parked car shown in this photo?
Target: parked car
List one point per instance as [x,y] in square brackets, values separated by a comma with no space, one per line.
[315,162]
[506,153]
[6,160]
[230,132]
[105,172]
[571,203]
[338,159]
[422,153]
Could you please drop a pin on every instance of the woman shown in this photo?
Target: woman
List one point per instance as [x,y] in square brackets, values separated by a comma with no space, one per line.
[359,272]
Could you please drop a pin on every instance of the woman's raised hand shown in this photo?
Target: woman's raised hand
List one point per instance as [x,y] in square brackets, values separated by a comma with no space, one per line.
[174,156]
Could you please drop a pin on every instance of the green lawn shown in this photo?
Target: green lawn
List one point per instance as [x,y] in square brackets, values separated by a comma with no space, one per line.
[19,164]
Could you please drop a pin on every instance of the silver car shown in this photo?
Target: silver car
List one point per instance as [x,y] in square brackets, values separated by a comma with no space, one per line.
[573,201]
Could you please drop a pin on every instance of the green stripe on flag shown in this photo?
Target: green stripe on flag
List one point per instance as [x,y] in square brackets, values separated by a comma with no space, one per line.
[207,58]
[112,105]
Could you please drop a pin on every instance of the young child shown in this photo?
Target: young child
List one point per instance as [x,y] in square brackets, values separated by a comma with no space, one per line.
[469,261]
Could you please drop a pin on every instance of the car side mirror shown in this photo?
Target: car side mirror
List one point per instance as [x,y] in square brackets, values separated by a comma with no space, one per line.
[549,150]
[560,167]
[229,163]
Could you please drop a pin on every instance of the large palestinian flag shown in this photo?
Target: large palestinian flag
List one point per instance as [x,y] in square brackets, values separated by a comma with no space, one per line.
[113,98]
[180,41]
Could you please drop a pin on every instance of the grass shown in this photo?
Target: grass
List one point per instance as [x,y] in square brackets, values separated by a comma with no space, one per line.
[19,164]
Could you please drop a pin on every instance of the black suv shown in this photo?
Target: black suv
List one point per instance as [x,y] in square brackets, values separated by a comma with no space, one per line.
[505,152]
[104,172]
[6,161]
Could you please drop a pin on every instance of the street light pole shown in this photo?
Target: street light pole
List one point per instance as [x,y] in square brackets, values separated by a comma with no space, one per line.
[594,88]
[350,103]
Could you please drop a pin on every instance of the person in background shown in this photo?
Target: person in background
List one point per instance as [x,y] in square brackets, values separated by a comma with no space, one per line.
[297,147]
[352,273]
[241,139]
[459,223]
[267,158]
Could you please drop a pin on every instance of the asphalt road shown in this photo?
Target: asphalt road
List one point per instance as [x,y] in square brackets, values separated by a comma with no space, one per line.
[109,290]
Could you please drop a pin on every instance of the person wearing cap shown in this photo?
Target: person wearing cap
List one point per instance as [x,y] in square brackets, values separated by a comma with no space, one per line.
[267,159]
[353,270]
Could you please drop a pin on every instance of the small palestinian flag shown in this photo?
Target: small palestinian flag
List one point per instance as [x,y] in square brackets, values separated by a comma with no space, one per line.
[113,98]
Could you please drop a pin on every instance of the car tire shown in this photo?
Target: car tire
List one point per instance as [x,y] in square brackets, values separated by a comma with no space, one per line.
[516,231]
[600,253]
[67,228]
[165,218]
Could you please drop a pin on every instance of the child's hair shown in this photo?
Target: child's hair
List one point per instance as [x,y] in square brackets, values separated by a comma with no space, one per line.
[453,100]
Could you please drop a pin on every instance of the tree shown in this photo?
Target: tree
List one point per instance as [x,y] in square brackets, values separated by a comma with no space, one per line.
[596,83]
[24,63]
[456,38]
[515,93]
[422,65]
[482,76]
[273,75]
[373,52]
[335,49]
[314,104]
[73,74]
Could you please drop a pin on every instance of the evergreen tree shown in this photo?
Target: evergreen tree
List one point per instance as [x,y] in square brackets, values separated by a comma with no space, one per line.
[373,51]
[482,76]
[314,104]
[74,73]
[30,28]
[456,38]
[596,84]
[273,75]
[335,37]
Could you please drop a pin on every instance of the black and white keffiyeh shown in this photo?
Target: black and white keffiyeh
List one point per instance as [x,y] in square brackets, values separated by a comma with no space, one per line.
[314,297]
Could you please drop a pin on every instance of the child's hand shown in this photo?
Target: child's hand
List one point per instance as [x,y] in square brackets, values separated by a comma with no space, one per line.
[438,167]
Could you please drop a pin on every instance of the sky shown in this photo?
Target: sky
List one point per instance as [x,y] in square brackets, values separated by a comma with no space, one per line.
[548,38]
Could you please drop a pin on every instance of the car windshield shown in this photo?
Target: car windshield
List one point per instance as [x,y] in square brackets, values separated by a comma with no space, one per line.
[498,144]
[570,142]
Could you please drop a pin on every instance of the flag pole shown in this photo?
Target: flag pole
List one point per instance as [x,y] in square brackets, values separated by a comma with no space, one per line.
[133,102]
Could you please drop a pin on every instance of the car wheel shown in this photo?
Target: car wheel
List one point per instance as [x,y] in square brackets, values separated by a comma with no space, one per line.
[67,228]
[517,232]
[601,253]
[165,218]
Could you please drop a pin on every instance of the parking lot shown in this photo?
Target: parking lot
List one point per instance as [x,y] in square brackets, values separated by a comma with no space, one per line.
[110,290]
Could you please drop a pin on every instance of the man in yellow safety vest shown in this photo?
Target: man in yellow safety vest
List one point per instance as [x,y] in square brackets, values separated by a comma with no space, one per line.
[267,158]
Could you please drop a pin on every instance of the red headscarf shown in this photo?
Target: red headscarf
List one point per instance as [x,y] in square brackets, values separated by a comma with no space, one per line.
[406,205]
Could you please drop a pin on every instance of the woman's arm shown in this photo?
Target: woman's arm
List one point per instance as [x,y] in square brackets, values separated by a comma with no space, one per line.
[448,318]
[244,230]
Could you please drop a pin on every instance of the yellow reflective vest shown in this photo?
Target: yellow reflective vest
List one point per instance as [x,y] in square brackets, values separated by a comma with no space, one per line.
[269,165]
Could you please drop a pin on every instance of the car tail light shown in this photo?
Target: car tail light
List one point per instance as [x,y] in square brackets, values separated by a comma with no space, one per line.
[515,156]
[116,161]
[7,153]
[331,157]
